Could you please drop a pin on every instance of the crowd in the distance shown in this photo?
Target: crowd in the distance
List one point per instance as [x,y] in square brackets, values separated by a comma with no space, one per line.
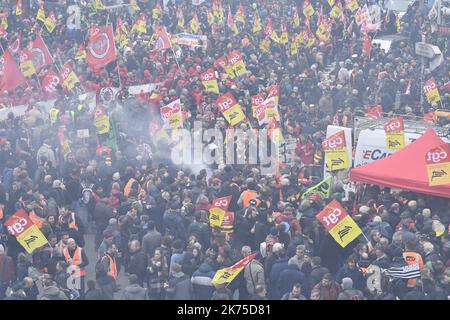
[150,219]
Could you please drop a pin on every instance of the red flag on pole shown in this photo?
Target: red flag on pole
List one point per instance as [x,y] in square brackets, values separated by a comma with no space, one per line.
[10,75]
[40,55]
[101,48]
[163,40]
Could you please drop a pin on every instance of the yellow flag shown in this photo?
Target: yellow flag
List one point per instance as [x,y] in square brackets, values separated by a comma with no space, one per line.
[265,45]
[81,53]
[32,239]
[4,25]
[294,48]
[50,22]
[211,18]
[99,5]
[257,24]
[19,10]
[195,26]
[41,14]
[134,6]
[226,275]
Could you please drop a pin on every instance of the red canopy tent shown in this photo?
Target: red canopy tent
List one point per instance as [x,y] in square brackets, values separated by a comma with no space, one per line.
[405,169]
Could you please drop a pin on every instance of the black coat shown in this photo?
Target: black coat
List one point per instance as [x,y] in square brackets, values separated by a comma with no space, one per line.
[291,276]
[138,264]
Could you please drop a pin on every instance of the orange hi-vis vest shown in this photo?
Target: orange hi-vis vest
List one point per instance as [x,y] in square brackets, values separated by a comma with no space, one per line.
[112,267]
[76,259]
[37,220]
[247,196]
[73,224]
[127,189]
[413,258]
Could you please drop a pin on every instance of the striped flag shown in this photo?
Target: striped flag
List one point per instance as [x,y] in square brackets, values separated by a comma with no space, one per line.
[405,272]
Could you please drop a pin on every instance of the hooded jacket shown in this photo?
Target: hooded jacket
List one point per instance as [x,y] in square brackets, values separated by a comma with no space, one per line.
[52,293]
[135,292]
[201,282]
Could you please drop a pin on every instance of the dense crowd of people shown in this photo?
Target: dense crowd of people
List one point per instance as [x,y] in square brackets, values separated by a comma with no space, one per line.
[149,218]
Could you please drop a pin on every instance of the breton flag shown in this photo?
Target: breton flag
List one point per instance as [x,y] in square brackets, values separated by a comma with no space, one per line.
[405,272]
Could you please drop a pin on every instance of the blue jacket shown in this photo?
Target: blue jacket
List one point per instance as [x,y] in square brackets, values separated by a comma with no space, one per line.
[354,274]
[278,266]
[291,276]
[201,282]
[174,222]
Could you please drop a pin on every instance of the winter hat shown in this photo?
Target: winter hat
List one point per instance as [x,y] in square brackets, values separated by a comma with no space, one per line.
[347,283]
[377,219]
[273,231]
[364,210]
[426,213]
[116,176]
[412,203]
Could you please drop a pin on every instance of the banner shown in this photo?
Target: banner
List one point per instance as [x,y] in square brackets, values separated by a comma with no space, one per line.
[236,61]
[190,40]
[431,92]
[209,81]
[338,223]
[335,148]
[438,165]
[10,75]
[230,109]
[226,275]
[323,188]
[217,211]
[68,77]
[395,134]
[26,232]
[40,54]
[171,115]
[101,48]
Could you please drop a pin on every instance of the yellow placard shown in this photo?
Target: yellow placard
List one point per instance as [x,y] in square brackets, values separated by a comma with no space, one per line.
[176,121]
[239,68]
[230,72]
[395,140]
[284,38]
[27,68]
[234,115]
[433,96]
[345,231]
[216,216]
[438,174]
[277,135]
[71,81]
[32,239]
[211,86]
[102,124]
[337,159]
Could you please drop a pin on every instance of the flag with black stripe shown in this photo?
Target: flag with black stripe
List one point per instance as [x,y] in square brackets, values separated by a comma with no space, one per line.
[405,272]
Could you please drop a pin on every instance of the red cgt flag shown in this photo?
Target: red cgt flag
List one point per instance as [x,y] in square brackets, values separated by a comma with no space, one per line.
[101,48]
[10,75]
[40,55]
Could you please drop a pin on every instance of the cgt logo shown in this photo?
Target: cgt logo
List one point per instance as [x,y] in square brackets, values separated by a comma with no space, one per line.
[207,76]
[393,126]
[17,227]
[235,58]
[436,156]
[375,154]
[226,104]
[333,143]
